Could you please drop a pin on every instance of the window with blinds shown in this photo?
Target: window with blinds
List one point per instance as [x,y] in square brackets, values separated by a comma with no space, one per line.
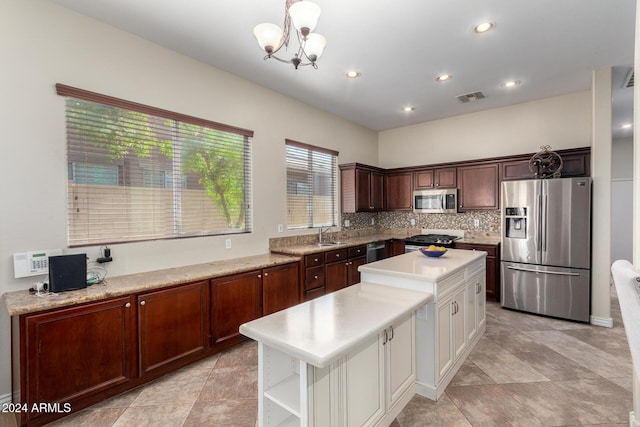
[311,186]
[141,173]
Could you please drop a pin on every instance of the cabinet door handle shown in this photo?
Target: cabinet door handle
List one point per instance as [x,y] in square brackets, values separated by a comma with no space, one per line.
[337,255]
[386,337]
[391,329]
[259,276]
[127,305]
[266,274]
[143,302]
[315,277]
[315,260]
[479,288]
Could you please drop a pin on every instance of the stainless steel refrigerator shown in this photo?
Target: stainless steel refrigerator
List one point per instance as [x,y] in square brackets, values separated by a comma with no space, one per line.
[546,247]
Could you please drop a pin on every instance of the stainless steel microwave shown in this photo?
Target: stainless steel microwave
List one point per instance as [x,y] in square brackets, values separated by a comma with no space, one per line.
[435,201]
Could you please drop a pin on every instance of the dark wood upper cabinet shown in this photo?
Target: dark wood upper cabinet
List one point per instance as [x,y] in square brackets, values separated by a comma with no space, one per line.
[424,179]
[478,187]
[575,162]
[444,178]
[435,178]
[362,188]
[398,190]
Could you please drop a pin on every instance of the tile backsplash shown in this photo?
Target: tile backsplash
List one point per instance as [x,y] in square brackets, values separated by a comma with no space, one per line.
[488,221]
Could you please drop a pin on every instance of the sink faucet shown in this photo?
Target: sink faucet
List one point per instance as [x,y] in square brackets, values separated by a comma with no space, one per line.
[320,231]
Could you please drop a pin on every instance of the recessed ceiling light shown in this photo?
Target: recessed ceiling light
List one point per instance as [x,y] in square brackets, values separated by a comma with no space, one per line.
[510,83]
[484,27]
[626,126]
[353,74]
[408,109]
[443,77]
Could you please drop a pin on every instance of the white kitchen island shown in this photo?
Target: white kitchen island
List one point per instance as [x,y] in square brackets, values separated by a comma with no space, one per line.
[450,325]
[351,358]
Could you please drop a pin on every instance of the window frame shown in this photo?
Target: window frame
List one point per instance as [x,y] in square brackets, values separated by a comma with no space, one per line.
[84,95]
[334,194]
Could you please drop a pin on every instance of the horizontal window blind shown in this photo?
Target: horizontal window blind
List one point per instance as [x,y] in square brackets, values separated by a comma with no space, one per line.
[311,186]
[134,175]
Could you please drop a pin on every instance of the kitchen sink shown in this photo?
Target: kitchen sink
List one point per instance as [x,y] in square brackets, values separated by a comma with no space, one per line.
[330,244]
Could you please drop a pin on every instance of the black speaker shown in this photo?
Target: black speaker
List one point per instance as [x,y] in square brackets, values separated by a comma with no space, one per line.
[67,272]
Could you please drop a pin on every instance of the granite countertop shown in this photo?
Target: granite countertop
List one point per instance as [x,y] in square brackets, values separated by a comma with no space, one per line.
[312,248]
[415,266]
[480,240]
[22,302]
[321,330]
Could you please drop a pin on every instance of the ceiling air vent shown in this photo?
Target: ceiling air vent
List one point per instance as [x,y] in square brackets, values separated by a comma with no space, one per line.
[468,97]
[628,82]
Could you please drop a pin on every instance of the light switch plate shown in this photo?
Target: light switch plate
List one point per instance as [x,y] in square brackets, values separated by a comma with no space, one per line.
[227,243]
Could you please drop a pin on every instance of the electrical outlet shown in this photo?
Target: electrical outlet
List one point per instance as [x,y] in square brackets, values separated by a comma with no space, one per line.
[280,228]
[413,221]
[373,221]
[476,223]
[347,223]
[227,243]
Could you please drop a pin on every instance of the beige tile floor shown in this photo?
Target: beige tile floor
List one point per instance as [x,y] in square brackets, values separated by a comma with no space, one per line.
[526,371]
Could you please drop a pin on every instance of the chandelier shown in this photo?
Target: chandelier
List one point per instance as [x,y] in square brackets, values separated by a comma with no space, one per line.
[304,17]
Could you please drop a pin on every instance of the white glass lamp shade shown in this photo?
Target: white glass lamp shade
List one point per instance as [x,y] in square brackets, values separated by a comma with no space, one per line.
[269,36]
[314,46]
[304,14]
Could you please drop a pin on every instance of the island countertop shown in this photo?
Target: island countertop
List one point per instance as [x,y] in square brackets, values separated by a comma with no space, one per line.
[416,266]
[321,330]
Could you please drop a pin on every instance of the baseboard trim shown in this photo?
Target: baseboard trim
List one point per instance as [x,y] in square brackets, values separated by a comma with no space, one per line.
[607,322]
[5,399]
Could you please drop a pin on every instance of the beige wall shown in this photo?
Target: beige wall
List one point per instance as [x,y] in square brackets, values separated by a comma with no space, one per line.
[43,44]
[562,122]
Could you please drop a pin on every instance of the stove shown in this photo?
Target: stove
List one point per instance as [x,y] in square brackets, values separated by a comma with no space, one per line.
[414,242]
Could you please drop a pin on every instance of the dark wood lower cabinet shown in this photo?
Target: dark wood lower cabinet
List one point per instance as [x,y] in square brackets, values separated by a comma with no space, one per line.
[234,300]
[393,247]
[279,288]
[353,275]
[173,325]
[336,276]
[493,266]
[72,354]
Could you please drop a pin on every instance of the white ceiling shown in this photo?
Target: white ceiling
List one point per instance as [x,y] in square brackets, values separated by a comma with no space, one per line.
[550,46]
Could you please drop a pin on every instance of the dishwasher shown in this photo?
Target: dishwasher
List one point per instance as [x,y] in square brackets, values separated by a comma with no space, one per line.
[375,251]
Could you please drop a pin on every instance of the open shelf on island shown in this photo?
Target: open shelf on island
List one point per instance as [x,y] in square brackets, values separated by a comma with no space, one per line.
[286,394]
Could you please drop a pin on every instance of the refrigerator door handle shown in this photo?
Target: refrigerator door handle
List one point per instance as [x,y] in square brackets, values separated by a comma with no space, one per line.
[531,270]
[545,211]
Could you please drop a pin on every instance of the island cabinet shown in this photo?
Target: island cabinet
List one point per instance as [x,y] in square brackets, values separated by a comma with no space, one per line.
[350,362]
[239,298]
[173,326]
[478,187]
[362,188]
[449,326]
[493,266]
[73,355]
[398,191]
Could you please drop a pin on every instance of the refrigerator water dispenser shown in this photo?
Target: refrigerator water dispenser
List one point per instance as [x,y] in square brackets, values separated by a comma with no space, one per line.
[516,223]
